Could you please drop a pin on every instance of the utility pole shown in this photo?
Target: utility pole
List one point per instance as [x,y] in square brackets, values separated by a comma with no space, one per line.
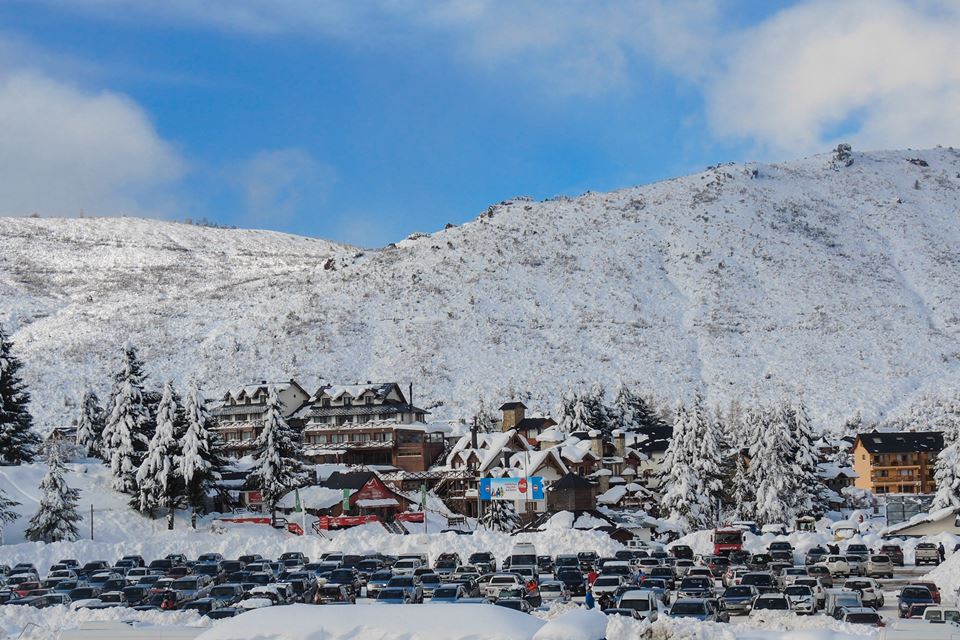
[91,521]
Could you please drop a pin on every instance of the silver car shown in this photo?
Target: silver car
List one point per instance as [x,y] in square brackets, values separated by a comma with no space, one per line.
[879,567]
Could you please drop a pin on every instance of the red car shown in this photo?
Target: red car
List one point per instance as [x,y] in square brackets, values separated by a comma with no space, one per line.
[934,591]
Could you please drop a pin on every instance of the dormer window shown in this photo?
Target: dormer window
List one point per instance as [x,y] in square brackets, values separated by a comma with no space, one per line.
[368,400]
[325,402]
[346,401]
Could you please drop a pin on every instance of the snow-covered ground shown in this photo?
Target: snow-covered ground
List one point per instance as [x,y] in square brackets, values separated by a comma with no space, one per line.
[840,283]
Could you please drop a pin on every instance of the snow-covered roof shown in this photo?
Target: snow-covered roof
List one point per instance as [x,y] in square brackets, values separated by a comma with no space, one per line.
[490,448]
[537,460]
[552,434]
[922,518]
[830,471]
[613,495]
[370,503]
[313,497]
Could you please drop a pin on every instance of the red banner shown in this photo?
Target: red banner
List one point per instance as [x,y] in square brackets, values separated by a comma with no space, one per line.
[342,522]
[407,516]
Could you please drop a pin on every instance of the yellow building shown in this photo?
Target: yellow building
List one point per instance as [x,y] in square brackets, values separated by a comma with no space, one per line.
[896,462]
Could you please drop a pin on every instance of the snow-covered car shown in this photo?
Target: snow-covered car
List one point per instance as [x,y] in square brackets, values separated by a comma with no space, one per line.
[878,566]
[738,599]
[801,598]
[837,566]
[554,591]
[769,602]
[862,615]
[448,593]
[871,595]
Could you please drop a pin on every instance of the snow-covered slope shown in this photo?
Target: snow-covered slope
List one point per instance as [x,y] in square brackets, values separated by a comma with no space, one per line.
[842,283]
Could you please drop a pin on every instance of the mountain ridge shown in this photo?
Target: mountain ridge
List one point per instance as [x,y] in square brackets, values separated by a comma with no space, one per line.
[840,283]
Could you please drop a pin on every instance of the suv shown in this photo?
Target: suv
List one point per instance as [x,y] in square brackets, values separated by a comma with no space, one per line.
[878,567]
[858,549]
[894,552]
[927,553]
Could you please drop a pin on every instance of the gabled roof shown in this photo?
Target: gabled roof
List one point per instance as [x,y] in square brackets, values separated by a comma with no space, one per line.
[528,424]
[354,480]
[513,404]
[901,441]
[380,390]
[571,481]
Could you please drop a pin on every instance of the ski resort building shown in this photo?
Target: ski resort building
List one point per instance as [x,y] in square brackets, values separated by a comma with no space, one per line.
[240,412]
[896,462]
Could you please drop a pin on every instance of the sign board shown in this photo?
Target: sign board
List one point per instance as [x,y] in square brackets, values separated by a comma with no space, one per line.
[511,488]
[346,500]
[254,497]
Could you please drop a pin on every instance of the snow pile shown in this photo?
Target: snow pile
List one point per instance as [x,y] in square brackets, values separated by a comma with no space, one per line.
[560,520]
[576,624]
[947,576]
[48,623]
[382,622]
[720,280]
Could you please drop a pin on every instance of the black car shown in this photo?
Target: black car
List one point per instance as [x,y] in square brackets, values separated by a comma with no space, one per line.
[135,594]
[203,606]
[163,565]
[224,613]
[681,552]
[483,556]
[97,566]
[573,580]
[350,578]
[759,561]
[588,560]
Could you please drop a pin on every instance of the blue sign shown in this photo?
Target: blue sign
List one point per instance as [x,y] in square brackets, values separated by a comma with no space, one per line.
[511,488]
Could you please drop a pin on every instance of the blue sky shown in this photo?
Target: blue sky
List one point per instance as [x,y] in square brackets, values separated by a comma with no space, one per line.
[365,121]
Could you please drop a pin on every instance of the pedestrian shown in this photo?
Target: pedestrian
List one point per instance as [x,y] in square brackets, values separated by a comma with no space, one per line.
[943,552]
[588,598]
[531,585]
[592,577]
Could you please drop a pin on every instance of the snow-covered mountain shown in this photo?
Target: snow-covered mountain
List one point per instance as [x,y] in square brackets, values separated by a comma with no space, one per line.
[840,282]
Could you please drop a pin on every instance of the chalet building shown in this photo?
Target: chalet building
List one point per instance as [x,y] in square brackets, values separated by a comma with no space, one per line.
[653,444]
[899,462]
[240,412]
[572,492]
[370,424]
[366,495]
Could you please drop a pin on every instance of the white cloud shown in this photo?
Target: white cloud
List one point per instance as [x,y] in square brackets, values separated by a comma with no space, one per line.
[880,73]
[64,149]
[279,184]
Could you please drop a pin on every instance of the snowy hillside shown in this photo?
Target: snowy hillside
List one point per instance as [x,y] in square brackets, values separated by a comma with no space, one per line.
[842,282]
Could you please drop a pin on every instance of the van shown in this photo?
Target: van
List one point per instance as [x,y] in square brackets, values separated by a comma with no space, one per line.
[524,554]
[839,598]
[942,614]
[919,630]
[644,602]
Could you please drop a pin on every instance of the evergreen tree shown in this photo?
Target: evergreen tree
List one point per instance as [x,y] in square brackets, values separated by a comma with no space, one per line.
[7,511]
[158,477]
[18,440]
[277,467]
[200,464]
[772,468]
[708,464]
[680,484]
[947,467]
[500,516]
[623,412]
[809,494]
[743,497]
[127,431]
[57,518]
[564,411]
[90,425]
[596,411]
[487,420]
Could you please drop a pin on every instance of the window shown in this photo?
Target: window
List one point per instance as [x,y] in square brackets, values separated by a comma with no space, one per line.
[325,402]
[368,400]
[347,401]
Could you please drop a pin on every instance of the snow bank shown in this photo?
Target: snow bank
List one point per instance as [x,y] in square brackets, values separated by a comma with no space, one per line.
[48,623]
[379,622]
[577,624]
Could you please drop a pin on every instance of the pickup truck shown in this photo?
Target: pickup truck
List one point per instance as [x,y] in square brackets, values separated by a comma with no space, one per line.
[926,553]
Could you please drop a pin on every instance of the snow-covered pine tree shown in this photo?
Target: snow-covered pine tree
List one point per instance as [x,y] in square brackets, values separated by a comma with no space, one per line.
[90,425]
[276,457]
[8,511]
[708,464]
[947,468]
[679,483]
[773,470]
[57,518]
[809,496]
[598,419]
[200,463]
[582,417]
[500,516]
[127,432]
[623,412]
[18,440]
[158,477]
[743,498]
[487,421]
[563,412]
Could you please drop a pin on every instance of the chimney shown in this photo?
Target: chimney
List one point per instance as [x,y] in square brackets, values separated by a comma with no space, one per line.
[596,443]
[410,393]
[620,443]
[513,412]
[473,434]
[603,481]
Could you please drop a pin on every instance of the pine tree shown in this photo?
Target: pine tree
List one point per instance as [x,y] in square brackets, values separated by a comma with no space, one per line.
[772,468]
[500,516]
[487,421]
[127,431]
[277,467]
[7,510]
[90,425]
[679,483]
[18,440]
[57,518]
[563,413]
[623,412]
[596,411]
[947,467]
[743,496]
[158,477]
[708,465]
[200,464]
[809,494]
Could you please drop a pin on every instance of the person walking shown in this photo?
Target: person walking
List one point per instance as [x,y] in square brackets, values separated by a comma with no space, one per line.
[592,577]
[588,598]
[942,551]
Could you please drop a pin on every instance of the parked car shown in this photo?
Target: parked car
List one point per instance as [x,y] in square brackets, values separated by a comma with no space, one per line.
[410,583]
[801,598]
[763,581]
[391,595]
[837,566]
[815,555]
[932,587]
[823,573]
[856,564]
[606,585]
[203,606]
[517,604]
[926,553]
[789,574]
[894,552]
[702,609]
[870,593]
[738,599]
[554,591]
[861,615]
[227,593]
[766,602]
[696,587]
[837,599]
[911,595]
[331,593]
[858,549]
[682,551]
[644,603]
[878,566]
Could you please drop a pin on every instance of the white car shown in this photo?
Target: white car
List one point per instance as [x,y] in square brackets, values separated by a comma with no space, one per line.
[501,581]
[554,591]
[790,574]
[856,564]
[801,597]
[819,591]
[870,593]
[837,566]
[406,567]
[766,603]
[606,585]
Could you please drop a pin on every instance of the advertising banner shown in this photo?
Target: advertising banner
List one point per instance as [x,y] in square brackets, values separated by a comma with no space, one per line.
[511,488]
